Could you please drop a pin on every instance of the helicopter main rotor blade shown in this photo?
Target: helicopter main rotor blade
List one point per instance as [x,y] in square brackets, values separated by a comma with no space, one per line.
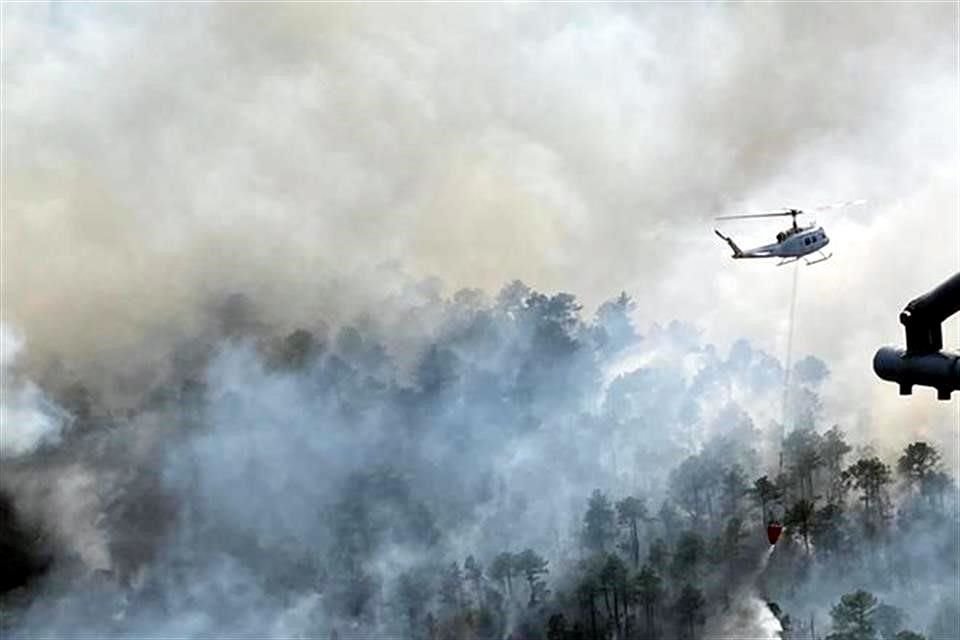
[796,212]
[780,214]
[840,205]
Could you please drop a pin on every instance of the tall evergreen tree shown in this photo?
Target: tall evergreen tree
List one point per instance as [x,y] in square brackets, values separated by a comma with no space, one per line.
[766,494]
[833,450]
[918,465]
[502,570]
[599,528]
[648,590]
[853,617]
[473,572]
[688,610]
[532,567]
[800,518]
[870,476]
[631,511]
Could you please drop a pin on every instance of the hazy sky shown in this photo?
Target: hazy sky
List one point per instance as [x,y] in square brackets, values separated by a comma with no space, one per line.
[156,156]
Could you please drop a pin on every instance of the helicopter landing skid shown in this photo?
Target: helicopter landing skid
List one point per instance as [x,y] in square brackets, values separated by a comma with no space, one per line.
[787,261]
[823,258]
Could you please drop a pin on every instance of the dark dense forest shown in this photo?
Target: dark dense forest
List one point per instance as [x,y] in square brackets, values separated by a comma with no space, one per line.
[467,469]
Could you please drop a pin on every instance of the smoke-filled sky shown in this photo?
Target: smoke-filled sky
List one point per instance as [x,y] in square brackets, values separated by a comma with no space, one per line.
[308,153]
[358,164]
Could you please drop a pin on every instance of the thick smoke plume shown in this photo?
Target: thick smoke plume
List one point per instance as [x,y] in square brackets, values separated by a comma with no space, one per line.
[262,376]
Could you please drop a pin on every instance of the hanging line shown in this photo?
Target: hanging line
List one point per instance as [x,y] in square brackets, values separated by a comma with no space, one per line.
[789,362]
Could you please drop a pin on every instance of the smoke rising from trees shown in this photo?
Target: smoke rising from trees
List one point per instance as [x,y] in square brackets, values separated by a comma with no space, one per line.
[296,483]
[253,396]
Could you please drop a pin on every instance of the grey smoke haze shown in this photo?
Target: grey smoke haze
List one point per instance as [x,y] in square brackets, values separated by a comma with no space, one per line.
[232,513]
[329,160]
[158,153]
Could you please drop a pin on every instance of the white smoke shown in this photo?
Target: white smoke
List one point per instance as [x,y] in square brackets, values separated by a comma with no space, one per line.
[749,617]
[27,418]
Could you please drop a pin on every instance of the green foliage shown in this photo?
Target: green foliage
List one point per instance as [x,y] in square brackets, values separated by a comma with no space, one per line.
[829,529]
[853,617]
[688,609]
[799,520]
[611,593]
[532,567]
[732,491]
[473,572]
[438,370]
[833,450]
[695,487]
[920,467]
[295,351]
[647,586]
[871,476]
[670,518]
[556,324]
[451,587]
[647,591]
[731,540]
[502,570]
[631,511]
[766,493]
[599,528]
[688,556]
[658,556]
[888,620]
[919,459]
[613,321]
[802,456]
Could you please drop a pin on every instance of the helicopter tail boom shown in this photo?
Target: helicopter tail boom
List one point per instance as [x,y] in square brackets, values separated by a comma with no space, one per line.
[737,253]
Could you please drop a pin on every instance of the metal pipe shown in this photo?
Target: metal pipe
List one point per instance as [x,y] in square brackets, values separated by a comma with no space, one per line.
[940,370]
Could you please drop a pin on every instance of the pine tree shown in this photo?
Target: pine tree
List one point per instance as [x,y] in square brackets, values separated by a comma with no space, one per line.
[853,617]
[648,589]
[532,567]
[631,512]
[599,529]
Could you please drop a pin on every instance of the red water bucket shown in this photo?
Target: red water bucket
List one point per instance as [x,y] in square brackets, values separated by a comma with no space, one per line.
[773,531]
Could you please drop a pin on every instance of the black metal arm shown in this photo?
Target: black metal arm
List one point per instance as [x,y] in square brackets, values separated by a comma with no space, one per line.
[924,362]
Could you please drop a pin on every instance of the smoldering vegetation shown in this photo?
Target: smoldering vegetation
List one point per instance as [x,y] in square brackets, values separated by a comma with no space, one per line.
[511,467]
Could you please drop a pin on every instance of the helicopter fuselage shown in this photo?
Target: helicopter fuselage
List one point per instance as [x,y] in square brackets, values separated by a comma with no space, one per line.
[796,243]
[792,244]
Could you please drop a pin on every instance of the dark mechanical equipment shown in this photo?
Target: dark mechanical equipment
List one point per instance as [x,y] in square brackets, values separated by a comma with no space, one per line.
[924,362]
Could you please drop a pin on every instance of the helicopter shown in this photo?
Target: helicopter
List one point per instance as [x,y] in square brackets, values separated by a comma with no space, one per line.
[793,243]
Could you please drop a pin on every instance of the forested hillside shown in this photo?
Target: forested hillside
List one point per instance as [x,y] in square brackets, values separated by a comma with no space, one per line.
[468,468]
